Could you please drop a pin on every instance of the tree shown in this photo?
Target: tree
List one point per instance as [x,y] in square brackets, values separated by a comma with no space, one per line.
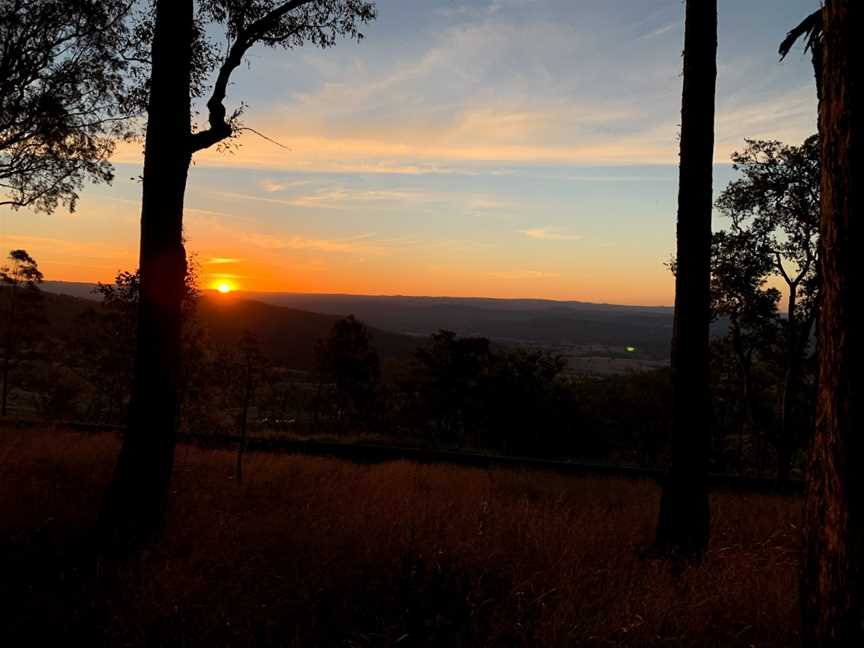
[740,263]
[19,283]
[683,525]
[833,577]
[105,339]
[252,362]
[810,29]
[450,387]
[348,359]
[526,407]
[777,200]
[64,97]
[178,63]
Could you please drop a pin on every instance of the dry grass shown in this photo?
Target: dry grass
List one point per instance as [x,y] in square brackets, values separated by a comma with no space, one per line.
[318,552]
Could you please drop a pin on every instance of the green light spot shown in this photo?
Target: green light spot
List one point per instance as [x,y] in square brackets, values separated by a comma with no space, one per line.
[631,349]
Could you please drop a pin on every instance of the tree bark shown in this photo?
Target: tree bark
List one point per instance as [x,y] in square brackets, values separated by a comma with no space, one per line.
[683,525]
[832,591]
[136,498]
[784,440]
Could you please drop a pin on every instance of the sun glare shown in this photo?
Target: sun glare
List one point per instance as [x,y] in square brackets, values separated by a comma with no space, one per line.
[224,288]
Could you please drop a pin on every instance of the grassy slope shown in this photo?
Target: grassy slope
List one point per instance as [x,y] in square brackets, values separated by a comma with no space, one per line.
[312,551]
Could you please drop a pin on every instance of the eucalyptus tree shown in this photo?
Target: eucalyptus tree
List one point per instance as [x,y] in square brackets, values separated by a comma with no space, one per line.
[776,198]
[181,58]
[683,525]
[833,577]
[740,264]
[66,90]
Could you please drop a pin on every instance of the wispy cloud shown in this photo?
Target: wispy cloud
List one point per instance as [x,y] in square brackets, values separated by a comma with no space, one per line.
[663,29]
[359,244]
[550,234]
[223,260]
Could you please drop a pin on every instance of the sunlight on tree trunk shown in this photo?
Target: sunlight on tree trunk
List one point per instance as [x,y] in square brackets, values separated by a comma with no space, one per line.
[832,591]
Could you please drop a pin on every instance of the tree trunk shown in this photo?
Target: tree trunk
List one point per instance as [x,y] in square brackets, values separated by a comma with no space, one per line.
[8,346]
[244,419]
[135,502]
[832,590]
[683,525]
[784,439]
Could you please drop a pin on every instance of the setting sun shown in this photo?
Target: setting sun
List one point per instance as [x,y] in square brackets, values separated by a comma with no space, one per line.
[224,288]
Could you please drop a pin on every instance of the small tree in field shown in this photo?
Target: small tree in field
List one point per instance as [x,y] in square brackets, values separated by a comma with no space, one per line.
[21,310]
[348,359]
[252,367]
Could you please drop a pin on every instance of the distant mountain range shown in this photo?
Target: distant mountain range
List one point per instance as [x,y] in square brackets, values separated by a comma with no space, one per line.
[568,325]
[286,335]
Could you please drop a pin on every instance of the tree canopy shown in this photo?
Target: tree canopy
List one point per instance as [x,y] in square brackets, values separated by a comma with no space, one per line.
[65,91]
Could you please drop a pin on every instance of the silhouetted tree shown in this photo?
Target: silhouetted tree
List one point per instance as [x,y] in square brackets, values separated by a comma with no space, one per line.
[739,266]
[63,97]
[105,337]
[21,304]
[833,578]
[683,524]
[526,404]
[252,366]
[136,497]
[349,361]
[450,384]
[810,29]
[776,200]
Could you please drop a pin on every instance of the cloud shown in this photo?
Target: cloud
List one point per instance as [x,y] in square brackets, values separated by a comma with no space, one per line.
[272,186]
[222,261]
[550,234]
[350,245]
[663,29]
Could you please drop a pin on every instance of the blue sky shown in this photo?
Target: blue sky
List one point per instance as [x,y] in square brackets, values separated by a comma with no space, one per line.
[521,148]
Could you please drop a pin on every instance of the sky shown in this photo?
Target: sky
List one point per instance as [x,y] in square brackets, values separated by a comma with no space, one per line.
[502,148]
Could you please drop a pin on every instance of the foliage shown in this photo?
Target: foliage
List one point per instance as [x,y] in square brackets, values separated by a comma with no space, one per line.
[348,361]
[21,314]
[449,375]
[774,208]
[246,23]
[776,203]
[64,87]
[105,337]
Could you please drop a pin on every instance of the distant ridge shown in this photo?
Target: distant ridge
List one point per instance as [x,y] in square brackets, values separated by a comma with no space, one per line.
[566,326]
[85,290]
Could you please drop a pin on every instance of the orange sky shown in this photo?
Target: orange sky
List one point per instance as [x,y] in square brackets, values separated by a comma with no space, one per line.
[501,149]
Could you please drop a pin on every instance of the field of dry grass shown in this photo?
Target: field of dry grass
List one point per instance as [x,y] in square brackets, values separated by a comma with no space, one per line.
[319,552]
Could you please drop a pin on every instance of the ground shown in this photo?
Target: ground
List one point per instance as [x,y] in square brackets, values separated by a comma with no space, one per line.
[321,552]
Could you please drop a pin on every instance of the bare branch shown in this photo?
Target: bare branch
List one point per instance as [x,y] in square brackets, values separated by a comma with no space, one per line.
[221,129]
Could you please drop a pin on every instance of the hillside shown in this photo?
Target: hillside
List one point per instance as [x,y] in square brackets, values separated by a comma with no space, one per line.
[286,335]
[570,327]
